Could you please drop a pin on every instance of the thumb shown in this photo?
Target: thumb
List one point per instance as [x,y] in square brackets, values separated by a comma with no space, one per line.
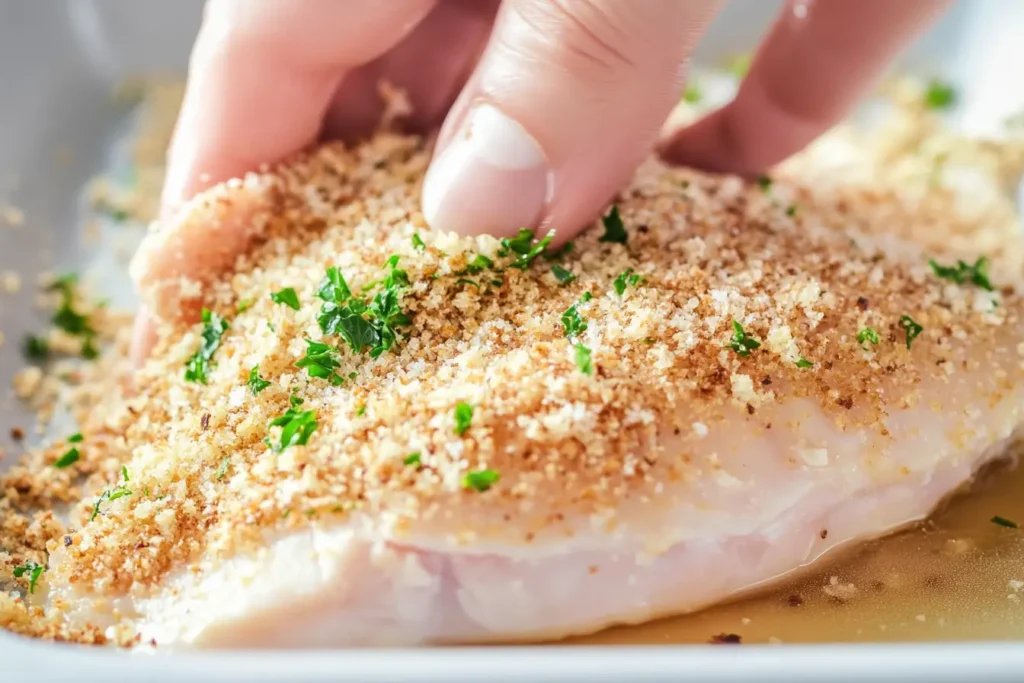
[567,100]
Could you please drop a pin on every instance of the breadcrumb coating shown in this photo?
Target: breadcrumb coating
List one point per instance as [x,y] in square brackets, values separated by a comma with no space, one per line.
[715,258]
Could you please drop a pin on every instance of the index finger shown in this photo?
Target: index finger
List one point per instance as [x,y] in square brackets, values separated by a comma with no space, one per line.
[261,78]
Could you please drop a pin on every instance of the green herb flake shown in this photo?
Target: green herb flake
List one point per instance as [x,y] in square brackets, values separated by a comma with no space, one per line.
[1002,521]
[573,323]
[481,480]
[614,230]
[692,94]
[256,383]
[520,244]
[76,438]
[287,297]
[524,248]
[463,417]
[741,343]
[791,210]
[222,469]
[497,283]
[868,334]
[479,263]
[244,305]
[417,242]
[939,95]
[764,182]
[912,329]
[361,410]
[413,459]
[804,363]
[34,571]
[563,275]
[89,350]
[467,281]
[36,348]
[977,274]
[296,426]
[583,360]
[559,253]
[198,365]
[119,491]
[69,458]
[627,279]
[320,361]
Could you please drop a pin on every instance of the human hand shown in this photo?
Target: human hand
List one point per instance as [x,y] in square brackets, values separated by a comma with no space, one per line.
[548,105]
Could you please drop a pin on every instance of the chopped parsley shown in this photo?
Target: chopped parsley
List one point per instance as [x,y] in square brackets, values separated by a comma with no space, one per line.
[614,230]
[34,571]
[627,279]
[119,491]
[868,334]
[76,438]
[523,247]
[89,350]
[804,363]
[199,364]
[222,469]
[479,263]
[741,343]
[361,410]
[412,459]
[463,417]
[976,274]
[1002,521]
[791,210]
[256,383]
[244,305]
[66,317]
[583,360]
[563,275]
[939,95]
[286,296]
[333,288]
[417,242]
[363,325]
[520,244]
[481,480]
[560,253]
[497,283]
[574,324]
[764,182]
[69,458]
[296,426]
[467,281]
[692,94]
[36,348]
[320,361]
[912,329]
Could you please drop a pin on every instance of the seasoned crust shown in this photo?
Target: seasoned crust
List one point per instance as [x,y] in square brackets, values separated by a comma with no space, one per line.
[777,258]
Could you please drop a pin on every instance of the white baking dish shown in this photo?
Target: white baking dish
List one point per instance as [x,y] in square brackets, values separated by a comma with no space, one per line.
[59,61]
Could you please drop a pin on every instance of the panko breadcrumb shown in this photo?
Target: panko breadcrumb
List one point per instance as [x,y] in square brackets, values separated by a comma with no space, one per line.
[714,257]
[796,263]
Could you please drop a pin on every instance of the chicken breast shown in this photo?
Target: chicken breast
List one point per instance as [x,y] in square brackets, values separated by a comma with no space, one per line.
[717,384]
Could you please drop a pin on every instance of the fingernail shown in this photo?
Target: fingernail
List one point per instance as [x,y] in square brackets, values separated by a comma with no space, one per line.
[493,178]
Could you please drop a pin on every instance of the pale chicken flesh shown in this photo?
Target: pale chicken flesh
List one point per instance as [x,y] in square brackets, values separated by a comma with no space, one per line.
[765,384]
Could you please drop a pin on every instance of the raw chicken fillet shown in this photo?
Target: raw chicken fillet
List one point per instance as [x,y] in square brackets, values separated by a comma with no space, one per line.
[557,440]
